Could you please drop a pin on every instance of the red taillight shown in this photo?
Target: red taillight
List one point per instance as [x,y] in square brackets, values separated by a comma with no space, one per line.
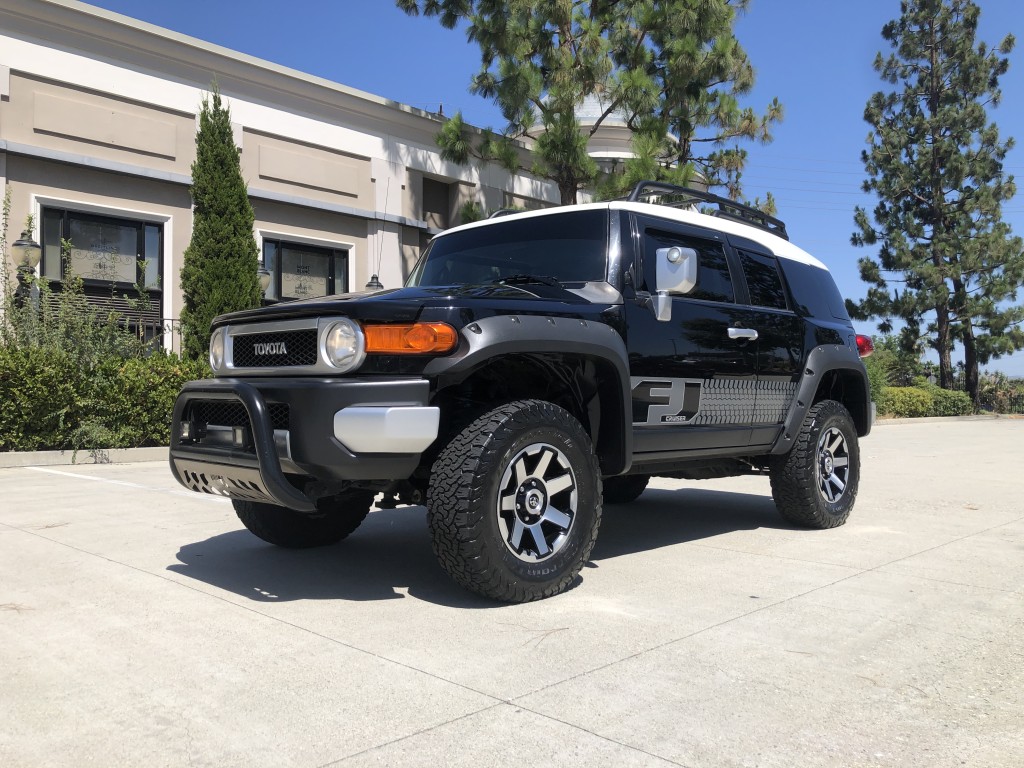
[864,345]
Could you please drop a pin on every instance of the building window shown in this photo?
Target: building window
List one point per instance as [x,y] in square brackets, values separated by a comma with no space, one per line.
[299,271]
[112,256]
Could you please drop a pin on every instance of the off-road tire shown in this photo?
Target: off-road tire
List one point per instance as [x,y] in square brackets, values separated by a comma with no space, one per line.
[336,517]
[625,488]
[799,482]
[470,483]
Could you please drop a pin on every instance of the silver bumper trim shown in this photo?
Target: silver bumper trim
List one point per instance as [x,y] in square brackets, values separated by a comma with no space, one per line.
[387,429]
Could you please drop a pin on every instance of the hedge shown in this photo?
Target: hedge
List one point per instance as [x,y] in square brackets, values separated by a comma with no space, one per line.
[49,403]
[912,402]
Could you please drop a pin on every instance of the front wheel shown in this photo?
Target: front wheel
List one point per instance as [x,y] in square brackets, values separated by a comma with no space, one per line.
[336,517]
[816,483]
[514,502]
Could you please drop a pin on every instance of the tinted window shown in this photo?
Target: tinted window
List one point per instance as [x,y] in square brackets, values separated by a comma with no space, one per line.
[714,282]
[814,291]
[763,280]
[569,247]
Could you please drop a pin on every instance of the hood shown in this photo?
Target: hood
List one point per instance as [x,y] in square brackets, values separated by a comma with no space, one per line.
[403,305]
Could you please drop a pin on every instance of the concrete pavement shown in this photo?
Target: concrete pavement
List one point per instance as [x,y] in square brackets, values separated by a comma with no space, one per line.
[140,625]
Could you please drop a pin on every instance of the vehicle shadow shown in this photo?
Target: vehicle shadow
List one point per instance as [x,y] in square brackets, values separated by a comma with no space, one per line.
[661,518]
[391,553]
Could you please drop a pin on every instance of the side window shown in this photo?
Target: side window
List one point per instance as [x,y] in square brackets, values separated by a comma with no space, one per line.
[763,280]
[714,283]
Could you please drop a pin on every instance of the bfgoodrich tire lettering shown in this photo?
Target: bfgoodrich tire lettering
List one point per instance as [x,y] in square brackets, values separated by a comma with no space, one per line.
[514,502]
[336,517]
[816,483]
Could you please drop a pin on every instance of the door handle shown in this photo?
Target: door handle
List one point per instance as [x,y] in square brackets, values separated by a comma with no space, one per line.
[748,334]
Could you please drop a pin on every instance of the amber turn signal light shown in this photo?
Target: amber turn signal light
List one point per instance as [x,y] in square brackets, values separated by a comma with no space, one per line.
[414,339]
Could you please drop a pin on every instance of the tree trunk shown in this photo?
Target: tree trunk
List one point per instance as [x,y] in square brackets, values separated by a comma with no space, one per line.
[567,192]
[943,345]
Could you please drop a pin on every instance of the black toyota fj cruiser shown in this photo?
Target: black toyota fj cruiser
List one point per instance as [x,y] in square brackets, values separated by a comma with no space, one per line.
[534,365]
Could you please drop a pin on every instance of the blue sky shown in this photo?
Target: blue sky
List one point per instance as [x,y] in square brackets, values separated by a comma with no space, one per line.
[814,55]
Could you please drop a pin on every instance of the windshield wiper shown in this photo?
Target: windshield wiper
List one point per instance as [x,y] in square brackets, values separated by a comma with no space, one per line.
[525,279]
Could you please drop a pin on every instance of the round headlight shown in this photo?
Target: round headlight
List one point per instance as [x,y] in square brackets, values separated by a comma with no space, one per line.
[344,347]
[217,349]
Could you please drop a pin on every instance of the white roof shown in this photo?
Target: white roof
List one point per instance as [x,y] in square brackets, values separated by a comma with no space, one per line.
[777,245]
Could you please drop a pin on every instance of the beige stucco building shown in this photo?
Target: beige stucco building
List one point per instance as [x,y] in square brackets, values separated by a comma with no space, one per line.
[98,116]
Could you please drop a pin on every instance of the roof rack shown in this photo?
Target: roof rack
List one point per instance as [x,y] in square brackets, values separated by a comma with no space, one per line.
[685,197]
[505,212]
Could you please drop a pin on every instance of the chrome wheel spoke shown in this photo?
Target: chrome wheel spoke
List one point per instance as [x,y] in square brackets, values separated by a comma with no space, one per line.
[520,469]
[840,485]
[516,540]
[556,517]
[508,502]
[539,540]
[841,461]
[559,484]
[838,442]
[542,465]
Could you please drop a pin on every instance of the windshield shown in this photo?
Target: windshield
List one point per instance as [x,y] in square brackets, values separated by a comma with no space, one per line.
[569,247]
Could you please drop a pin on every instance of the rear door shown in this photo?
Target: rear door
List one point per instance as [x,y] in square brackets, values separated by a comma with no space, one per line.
[693,378]
[780,343]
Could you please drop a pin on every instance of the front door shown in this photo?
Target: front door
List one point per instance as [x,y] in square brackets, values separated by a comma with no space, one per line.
[693,378]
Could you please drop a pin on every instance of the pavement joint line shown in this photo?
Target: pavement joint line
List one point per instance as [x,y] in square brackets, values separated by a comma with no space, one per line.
[172,492]
[543,715]
[759,609]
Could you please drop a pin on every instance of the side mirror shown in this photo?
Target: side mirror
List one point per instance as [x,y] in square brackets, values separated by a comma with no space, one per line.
[676,274]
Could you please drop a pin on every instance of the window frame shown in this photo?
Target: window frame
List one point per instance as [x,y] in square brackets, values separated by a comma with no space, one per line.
[333,253]
[66,213]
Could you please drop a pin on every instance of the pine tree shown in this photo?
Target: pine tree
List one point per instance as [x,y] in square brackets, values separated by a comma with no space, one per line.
[221,261]
[672,68]
[948,266]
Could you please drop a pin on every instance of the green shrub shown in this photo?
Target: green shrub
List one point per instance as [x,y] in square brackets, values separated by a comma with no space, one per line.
[131,401]
[40,398]
[50,403]
[906,402]
[947,402]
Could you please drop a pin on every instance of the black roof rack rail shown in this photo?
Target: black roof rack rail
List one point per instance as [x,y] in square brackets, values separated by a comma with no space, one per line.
[727,209]
[505,212]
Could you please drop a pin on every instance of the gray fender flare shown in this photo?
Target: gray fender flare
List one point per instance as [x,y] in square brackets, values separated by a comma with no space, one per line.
[503,335]
[821,360]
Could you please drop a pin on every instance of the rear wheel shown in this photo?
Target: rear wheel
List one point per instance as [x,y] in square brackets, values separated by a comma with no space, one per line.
[336,517]
[624,489]
[514,502]
[816,483]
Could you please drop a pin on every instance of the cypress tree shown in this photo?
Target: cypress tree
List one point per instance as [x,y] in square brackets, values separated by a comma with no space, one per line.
[948,266]
[219,273]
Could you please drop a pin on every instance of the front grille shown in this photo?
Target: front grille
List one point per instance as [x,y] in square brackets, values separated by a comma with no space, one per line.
[278,349]
[231,413]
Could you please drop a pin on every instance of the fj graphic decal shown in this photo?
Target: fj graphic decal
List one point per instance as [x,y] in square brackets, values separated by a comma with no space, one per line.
[665,401]
[672,402]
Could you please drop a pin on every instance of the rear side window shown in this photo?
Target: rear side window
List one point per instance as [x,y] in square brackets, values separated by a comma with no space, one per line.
[763,280]
[814,291]
[714,283]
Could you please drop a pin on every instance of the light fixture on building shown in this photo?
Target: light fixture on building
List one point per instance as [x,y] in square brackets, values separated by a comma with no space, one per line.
[264,275]
[375,284]
[25,252]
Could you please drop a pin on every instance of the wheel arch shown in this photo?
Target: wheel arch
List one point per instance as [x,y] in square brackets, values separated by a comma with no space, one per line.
[577,364]
[831,372]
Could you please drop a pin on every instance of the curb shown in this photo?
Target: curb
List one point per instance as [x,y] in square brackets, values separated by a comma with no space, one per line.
[11,459]
[939,419]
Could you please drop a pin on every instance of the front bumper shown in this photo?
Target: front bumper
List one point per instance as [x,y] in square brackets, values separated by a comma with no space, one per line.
[268,439]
